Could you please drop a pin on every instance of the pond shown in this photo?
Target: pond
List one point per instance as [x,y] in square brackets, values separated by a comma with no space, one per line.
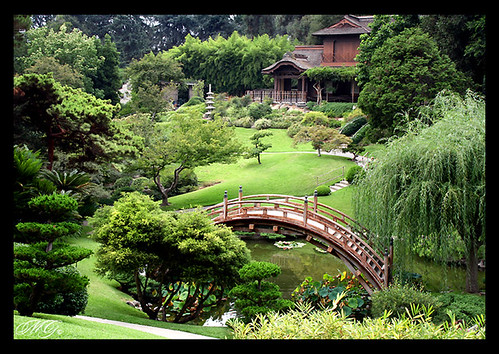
[298,263]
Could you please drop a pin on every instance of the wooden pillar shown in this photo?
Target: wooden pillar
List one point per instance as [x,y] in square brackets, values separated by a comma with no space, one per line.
[386,269]
[390,260]
[352,88]
[305,211]
[225,205]
[315,201]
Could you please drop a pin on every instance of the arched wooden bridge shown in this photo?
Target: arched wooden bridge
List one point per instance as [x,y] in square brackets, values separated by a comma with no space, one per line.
[323,226]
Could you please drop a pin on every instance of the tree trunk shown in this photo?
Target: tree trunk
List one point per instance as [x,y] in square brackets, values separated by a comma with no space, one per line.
[165,191]
[472,268]
[140,296]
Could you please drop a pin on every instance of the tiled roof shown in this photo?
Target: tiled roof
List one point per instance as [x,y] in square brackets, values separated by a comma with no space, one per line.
[350,24]
[303,58]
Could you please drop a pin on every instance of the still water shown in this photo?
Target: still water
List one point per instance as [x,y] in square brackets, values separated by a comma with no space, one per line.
[298,263]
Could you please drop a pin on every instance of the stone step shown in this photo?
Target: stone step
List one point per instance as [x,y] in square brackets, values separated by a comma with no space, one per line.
[339,185]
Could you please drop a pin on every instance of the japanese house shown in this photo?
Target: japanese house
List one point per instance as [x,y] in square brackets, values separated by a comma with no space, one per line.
[340,43]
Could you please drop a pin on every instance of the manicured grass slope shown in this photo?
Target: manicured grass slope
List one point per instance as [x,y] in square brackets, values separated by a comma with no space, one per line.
[279,173]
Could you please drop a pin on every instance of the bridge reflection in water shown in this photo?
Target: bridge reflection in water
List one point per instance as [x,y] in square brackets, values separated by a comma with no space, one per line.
[323,226]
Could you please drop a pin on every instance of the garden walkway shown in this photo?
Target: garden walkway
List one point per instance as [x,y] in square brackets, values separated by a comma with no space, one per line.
[163,332]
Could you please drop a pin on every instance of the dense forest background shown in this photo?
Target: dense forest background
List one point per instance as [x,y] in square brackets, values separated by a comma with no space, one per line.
[136,35]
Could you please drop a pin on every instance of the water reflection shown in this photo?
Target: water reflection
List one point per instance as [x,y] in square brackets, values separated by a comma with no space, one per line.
[296,264]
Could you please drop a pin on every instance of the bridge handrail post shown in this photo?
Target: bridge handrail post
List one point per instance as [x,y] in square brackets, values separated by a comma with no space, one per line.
[226,199]
[240,198]
[390,260]
[386,269]
[305,210]
[315,201]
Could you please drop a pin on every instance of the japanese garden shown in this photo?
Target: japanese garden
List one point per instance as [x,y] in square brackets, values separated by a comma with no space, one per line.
[249,176]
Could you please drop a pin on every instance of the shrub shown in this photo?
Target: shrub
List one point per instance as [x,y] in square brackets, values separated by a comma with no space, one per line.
[304,322]
[315,118]
[323,190]
[293,129]
[396,298]
[262,123]
[334,109]
[464,306]
[257,296]
[352,172]
[67,303]
[258,110]
[355,124]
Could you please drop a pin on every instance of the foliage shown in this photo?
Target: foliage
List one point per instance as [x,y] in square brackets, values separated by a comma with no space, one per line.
[258,110]
[353,126]
[65,303]
[323,190]
[383,27]
[321,138]
[352,172]
[39,253]
[231,64]
[398,297]
[27,184]
[76,122]
[407,71]
[431,182]
[73,181]
[187,141]
[465,307]
[355,301]
[177,260]
[305,322]
[333,109]
[256,296]
[315,118]
[75,58]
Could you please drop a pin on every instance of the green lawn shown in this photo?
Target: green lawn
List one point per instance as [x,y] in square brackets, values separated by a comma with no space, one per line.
[280,140]
[279,173]
[45,326]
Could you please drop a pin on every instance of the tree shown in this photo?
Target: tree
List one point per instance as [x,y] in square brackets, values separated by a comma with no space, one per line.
[383,27]
[187,142]
[167,254]
[71,48]
[153,69]
[39,255]
[256,295]
[107,79]
[407,71]
[431,183]
[260,146]
[73,120]
[231,65]
[321,138]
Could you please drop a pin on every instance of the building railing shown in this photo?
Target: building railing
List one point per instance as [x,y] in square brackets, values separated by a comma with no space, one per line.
[278,96]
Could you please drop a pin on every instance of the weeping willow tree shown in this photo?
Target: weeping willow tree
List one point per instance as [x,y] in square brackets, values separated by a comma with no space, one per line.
[430,183]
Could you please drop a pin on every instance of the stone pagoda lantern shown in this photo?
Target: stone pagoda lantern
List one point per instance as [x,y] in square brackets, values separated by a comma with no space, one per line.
[209,104]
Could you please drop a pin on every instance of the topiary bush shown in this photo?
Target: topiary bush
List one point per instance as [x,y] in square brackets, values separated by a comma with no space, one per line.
[323,190]
[255,295]
[352,172]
